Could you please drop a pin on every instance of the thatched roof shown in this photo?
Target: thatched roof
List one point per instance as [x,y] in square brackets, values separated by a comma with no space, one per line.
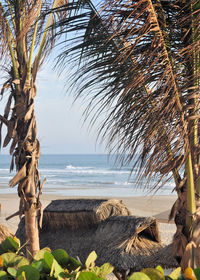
[76,213]
[4,232]
[127,242]
[126,230]
[164,256]
[130,243]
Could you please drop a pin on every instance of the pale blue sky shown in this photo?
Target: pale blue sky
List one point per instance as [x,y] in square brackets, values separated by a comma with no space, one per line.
[60,123]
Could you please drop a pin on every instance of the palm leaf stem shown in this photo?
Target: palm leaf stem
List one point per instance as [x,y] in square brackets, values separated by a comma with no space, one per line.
[32,47]
[188,165]
[195,121]
[12,16]
[20,41]
[198,182]
[165,32]
[38,56]
[8,26]
[195,71]
[191,206]
[177,95]
[168,149]
[14,63]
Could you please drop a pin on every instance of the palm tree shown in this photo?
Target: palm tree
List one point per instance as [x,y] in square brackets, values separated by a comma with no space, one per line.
[140,60]
[24,45]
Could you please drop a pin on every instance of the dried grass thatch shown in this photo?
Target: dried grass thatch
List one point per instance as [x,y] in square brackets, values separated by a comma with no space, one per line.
[127,242]
[4,232]
[130,243]
[129,231]
[79,213]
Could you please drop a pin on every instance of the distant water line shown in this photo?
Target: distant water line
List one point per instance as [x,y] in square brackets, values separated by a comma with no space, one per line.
[82,175]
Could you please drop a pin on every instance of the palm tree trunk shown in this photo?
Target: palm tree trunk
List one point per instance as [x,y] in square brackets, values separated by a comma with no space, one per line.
[32,235]
[26,156]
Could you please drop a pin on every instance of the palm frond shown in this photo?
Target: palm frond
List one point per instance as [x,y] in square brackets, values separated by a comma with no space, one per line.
[136,59]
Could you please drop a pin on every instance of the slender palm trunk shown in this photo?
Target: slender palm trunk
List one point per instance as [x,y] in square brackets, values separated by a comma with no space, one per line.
[26,156]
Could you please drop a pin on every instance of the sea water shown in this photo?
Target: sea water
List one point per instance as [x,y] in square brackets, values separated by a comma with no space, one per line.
[84,175]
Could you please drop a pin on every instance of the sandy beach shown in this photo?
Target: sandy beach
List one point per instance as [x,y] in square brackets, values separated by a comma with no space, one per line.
[156,206]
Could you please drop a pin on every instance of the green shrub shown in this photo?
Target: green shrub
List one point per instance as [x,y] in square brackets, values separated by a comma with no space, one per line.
[57,264]
[47,265]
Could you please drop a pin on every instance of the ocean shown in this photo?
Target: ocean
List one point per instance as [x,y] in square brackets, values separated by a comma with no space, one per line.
[83,175]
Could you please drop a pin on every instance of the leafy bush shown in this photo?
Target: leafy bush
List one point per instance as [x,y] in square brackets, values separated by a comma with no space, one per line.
[47,265]
[158,274]
[57,264]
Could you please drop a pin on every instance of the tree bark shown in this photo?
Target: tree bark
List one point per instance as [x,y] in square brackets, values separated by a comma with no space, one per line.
[25,149]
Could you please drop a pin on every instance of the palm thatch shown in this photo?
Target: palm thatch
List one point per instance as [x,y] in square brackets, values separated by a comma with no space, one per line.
[79,213]
[4,232]
[127,242]
[131,243]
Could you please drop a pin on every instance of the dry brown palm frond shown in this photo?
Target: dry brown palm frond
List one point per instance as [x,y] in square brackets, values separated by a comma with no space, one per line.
[30,12]
[138,55]
[189,256]
[179,243]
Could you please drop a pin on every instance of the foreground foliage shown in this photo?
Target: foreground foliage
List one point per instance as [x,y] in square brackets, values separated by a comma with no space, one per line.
[47,264]
[158,274]
[57,264]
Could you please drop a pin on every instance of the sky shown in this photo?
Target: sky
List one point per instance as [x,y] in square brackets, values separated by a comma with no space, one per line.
[60,122]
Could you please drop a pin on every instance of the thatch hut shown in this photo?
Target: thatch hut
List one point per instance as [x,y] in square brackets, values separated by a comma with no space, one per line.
[81,213]
[4,232]
[129,243]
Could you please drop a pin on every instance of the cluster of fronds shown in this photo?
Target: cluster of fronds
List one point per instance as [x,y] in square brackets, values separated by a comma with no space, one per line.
[140,63]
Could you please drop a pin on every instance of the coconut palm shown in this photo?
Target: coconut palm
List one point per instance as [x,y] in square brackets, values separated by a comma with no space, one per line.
[140,62]
[24,45]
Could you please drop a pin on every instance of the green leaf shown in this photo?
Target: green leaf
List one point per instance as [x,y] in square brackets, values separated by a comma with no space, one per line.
[90,262]
[12,271]
[4,275]
[22,276]
[153,274]
[11,259]
[168,277]
[31,273]
[58,269]
[48,261]
[181,277]
[61,257]
[139,276]
[105,269]
[40,254]
[160,269]
[197,273]
[176,273]
[96,270]
[88,276]
[38,265]
[73,264]
[9,244]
